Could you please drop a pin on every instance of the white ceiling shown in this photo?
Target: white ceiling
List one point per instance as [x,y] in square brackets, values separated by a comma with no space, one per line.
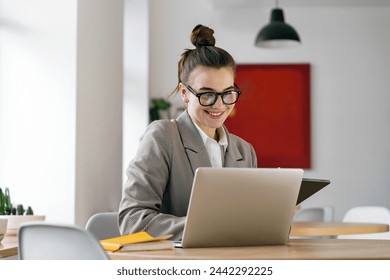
[298,3]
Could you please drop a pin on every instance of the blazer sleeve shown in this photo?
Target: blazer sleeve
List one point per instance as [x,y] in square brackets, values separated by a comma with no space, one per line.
[147,178]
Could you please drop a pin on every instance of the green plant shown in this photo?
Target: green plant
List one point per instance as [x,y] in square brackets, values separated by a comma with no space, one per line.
[6,207]
[158,105]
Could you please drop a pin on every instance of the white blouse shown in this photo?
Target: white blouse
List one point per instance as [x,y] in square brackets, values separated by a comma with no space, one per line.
[215,150]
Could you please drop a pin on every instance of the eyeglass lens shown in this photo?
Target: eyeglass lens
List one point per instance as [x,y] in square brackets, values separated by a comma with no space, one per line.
[228,97]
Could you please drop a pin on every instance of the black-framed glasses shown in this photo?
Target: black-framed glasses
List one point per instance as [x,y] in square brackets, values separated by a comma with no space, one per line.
[229,97]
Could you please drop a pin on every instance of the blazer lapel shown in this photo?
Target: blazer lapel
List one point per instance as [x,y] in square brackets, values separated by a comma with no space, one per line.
[233,156]
[192,142]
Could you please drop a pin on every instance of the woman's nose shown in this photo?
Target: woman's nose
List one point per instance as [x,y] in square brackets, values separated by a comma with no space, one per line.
[219,103]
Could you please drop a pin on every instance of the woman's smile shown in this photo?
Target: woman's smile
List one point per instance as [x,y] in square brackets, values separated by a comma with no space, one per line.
[215,115]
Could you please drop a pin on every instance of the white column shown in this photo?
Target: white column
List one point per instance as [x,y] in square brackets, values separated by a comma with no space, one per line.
[99,107]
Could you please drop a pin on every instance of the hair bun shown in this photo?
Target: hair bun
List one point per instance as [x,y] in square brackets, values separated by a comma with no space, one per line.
[202,36]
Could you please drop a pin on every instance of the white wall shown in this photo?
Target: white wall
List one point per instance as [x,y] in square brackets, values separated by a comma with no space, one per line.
[37,104]
[348,49]
[61,79]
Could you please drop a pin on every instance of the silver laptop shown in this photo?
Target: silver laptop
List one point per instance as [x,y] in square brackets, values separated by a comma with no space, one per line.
[241,206]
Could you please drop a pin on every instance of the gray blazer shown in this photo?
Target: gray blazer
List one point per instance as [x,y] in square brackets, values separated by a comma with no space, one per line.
[156,195]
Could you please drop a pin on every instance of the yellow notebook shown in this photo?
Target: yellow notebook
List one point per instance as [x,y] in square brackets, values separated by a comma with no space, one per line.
[116,243]
[148,246]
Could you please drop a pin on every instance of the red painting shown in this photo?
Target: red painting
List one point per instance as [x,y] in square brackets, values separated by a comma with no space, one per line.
[273,113]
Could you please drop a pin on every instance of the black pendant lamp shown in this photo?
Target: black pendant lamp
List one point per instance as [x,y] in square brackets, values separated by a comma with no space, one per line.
[277,34]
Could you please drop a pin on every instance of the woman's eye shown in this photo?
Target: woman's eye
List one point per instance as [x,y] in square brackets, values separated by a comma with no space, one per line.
[208,94]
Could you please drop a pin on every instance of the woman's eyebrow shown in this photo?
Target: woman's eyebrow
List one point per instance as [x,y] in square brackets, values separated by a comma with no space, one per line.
[211,89]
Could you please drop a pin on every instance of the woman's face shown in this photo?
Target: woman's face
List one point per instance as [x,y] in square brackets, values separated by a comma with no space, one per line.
[206,79]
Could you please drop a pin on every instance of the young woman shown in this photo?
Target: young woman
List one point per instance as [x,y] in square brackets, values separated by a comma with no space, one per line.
[156,195]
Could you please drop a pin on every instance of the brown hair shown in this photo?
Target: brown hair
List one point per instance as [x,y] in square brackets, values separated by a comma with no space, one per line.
[205,54]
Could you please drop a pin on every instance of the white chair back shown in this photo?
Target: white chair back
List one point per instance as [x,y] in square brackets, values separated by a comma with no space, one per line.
[47,241]
[323,214]
[313,214]
[367,214]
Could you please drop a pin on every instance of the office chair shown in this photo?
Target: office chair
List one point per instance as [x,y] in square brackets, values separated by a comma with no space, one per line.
[367,214]
[103,225]
[47,241]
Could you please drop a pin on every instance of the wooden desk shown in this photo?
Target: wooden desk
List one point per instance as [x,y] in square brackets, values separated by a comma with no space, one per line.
[296,249]
[335,228]
[8,246]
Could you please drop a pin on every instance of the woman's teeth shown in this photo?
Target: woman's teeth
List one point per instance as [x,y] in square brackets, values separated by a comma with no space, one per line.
[215,114]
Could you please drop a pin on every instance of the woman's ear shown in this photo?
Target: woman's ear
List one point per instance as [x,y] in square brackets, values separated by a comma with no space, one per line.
[183,92]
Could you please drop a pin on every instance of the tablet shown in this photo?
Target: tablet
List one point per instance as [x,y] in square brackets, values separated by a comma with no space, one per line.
[309,187]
